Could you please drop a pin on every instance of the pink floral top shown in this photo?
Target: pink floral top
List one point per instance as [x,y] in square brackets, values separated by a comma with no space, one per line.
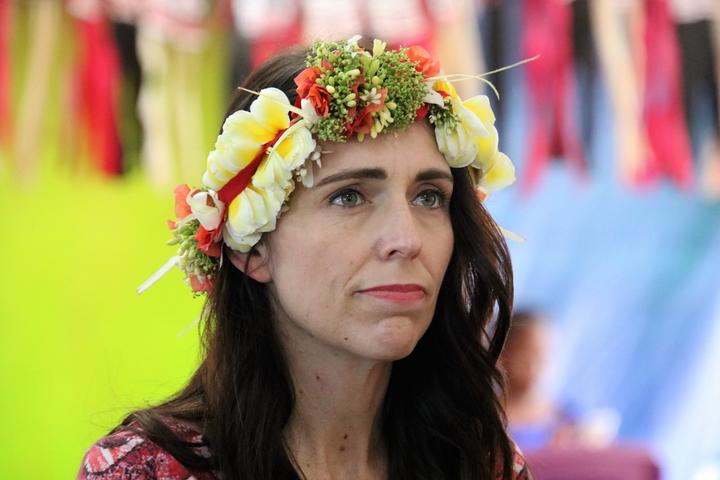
[126,455]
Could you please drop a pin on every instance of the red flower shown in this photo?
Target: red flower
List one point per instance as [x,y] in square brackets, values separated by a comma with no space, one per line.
[364,121]
[424,62]
[182,209]
[307,88]
[198,285]
[208,242]
[422,111]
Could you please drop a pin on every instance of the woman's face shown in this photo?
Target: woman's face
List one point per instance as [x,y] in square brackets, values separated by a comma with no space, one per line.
[355,265]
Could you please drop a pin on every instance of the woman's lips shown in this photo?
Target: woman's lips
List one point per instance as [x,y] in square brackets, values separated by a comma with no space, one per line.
[399,293]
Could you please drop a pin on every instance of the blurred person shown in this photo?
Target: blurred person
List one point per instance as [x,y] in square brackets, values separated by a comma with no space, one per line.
[536,420]
[358,169]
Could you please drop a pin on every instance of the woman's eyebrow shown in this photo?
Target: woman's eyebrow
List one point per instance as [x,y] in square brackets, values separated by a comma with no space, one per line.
[433,174]
[373,173]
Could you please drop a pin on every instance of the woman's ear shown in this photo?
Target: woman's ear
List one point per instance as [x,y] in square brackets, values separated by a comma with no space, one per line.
[254,263]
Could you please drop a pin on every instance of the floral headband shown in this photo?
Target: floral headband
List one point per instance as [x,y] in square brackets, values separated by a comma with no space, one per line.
[345,91]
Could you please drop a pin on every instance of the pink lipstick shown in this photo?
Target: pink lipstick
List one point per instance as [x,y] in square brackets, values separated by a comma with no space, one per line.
[399,293]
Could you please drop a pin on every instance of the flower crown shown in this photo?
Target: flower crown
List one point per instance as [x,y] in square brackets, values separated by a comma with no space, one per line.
[345,91]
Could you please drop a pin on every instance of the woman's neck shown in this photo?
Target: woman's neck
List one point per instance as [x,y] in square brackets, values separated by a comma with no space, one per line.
[335,429]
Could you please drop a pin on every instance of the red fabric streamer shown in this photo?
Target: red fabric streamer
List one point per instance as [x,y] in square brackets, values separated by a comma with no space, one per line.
[547,26]
[663,112]
[6,13]
[97,86]
[237,184]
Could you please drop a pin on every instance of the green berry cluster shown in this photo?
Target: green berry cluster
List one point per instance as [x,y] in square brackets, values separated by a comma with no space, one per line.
[355,79]
[443,116]
[192,260]
[406,86]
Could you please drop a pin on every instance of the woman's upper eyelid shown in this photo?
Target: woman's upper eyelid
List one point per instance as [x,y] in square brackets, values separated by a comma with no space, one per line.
[445,190]
[434,190]
[334,188]
[379,184]
[346,188]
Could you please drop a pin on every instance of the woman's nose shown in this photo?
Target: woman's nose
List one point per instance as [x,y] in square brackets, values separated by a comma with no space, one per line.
[399,234]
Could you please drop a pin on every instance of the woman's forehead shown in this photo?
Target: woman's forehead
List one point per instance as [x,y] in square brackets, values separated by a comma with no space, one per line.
[407,152]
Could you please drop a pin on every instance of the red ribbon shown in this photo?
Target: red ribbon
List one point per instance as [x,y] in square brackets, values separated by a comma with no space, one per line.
[237,184]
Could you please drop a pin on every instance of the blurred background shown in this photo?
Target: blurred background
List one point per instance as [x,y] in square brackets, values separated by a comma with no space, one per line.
[106,105]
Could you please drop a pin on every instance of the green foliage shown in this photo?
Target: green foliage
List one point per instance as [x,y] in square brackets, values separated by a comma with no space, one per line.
[80,349]
[406,86]
[353,77]
[444,117]
[191,258]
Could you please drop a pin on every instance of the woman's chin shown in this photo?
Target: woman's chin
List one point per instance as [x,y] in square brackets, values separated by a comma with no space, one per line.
[395,338]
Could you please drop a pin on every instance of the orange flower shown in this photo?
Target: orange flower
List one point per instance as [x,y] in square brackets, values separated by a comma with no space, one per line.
[424,62]
[182,209]
[320,99]
[307,88]
[306,79]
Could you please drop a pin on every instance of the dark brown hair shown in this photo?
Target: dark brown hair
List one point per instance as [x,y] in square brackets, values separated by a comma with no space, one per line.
[441,415]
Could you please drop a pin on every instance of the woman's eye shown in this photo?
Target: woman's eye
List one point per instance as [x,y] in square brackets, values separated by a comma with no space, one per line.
[430,199]
[346,198]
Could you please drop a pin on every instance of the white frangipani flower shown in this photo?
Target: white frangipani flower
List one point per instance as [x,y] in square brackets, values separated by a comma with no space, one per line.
[206,207]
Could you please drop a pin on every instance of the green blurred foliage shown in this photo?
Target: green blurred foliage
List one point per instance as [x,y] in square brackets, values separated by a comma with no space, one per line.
[79,349]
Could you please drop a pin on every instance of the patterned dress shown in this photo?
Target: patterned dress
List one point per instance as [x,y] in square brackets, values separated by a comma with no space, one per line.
[126,455]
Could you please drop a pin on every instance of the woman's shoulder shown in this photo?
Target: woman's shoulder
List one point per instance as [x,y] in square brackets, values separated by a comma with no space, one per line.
[520,469]
[128,454]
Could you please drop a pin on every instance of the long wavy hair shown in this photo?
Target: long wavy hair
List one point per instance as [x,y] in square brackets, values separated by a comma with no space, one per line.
[442,416]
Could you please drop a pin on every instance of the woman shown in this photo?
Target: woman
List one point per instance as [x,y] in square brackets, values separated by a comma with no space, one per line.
[340,336]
